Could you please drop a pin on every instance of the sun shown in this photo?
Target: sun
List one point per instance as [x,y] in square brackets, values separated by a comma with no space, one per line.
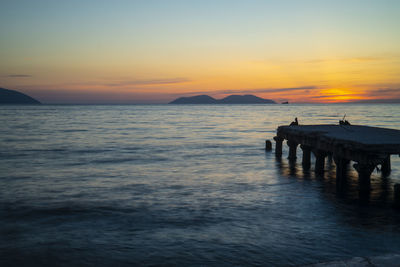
[335,95]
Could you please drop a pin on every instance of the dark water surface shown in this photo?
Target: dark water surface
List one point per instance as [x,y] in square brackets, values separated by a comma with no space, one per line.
[181,185]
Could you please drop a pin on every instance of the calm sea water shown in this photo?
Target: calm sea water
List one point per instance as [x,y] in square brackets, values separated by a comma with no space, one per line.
[181,185]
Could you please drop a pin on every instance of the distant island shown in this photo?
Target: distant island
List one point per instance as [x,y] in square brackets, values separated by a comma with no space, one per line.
[232,99]
[14,97]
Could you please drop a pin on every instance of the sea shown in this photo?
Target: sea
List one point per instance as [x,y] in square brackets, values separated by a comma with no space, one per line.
[183,185]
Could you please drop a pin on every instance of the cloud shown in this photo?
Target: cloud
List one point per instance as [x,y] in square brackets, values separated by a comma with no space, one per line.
[364,59]
[332,96]
[58,95]
[149,82]
[346,60]
[111,84]
[257,90]
[285,89]
[382,92]
[361,59]
[19,76]
[388,90]
[378,85]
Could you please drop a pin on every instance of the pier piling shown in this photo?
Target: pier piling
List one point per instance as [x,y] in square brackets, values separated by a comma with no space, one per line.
[396,195]
[386,166]
[268,145]
[306,160]
[278,146]
[319,161]
[292,150]
[364,171]
[341,170]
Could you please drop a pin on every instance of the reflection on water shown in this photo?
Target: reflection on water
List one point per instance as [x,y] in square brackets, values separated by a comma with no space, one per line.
[348,188]
[182,185]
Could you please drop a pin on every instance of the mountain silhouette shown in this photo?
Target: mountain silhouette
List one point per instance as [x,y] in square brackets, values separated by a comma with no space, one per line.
[14,97]
[232,99]
[198,99]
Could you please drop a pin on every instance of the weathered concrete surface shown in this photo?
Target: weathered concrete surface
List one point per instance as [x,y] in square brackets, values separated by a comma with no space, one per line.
[378,261]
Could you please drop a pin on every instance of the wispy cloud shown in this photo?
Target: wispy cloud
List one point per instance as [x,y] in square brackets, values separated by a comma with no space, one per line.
[149,82]
[346,60]
[384,92]
[285,89]
[111,84]
[256,90]
[333,96]
[19,76]
[360,59]
[378,85]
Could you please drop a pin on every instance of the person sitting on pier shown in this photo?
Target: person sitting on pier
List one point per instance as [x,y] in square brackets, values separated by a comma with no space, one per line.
[295,122]
[343,121]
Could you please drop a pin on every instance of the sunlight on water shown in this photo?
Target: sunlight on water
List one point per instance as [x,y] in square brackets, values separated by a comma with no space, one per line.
[102,185]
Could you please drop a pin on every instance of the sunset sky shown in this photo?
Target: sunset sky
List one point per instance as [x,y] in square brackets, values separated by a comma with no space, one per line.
[155,51]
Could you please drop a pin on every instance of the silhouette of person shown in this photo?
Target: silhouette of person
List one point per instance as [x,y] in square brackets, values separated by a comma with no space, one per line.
[343,121]
[295,122]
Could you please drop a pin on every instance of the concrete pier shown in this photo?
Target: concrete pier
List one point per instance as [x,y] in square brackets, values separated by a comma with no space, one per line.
[367,146]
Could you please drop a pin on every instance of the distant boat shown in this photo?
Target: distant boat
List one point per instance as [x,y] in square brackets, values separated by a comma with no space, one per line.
[286,102]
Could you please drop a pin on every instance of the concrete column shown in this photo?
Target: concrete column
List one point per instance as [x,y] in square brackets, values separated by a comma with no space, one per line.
[306,161]
[319,161]
[386,166]
[396,196]
[278,146]
[292,150]
[341,171]
[268,145]
[364,175]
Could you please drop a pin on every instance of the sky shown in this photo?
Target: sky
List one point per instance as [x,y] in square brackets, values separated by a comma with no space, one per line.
[155,51]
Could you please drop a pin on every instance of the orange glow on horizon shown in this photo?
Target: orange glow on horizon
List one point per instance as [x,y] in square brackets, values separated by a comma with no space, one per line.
[302,81]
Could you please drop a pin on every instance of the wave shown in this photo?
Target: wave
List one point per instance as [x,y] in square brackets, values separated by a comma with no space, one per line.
[73,130]
[123,160]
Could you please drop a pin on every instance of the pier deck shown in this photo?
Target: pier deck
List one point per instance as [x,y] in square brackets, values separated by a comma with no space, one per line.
[368,146]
